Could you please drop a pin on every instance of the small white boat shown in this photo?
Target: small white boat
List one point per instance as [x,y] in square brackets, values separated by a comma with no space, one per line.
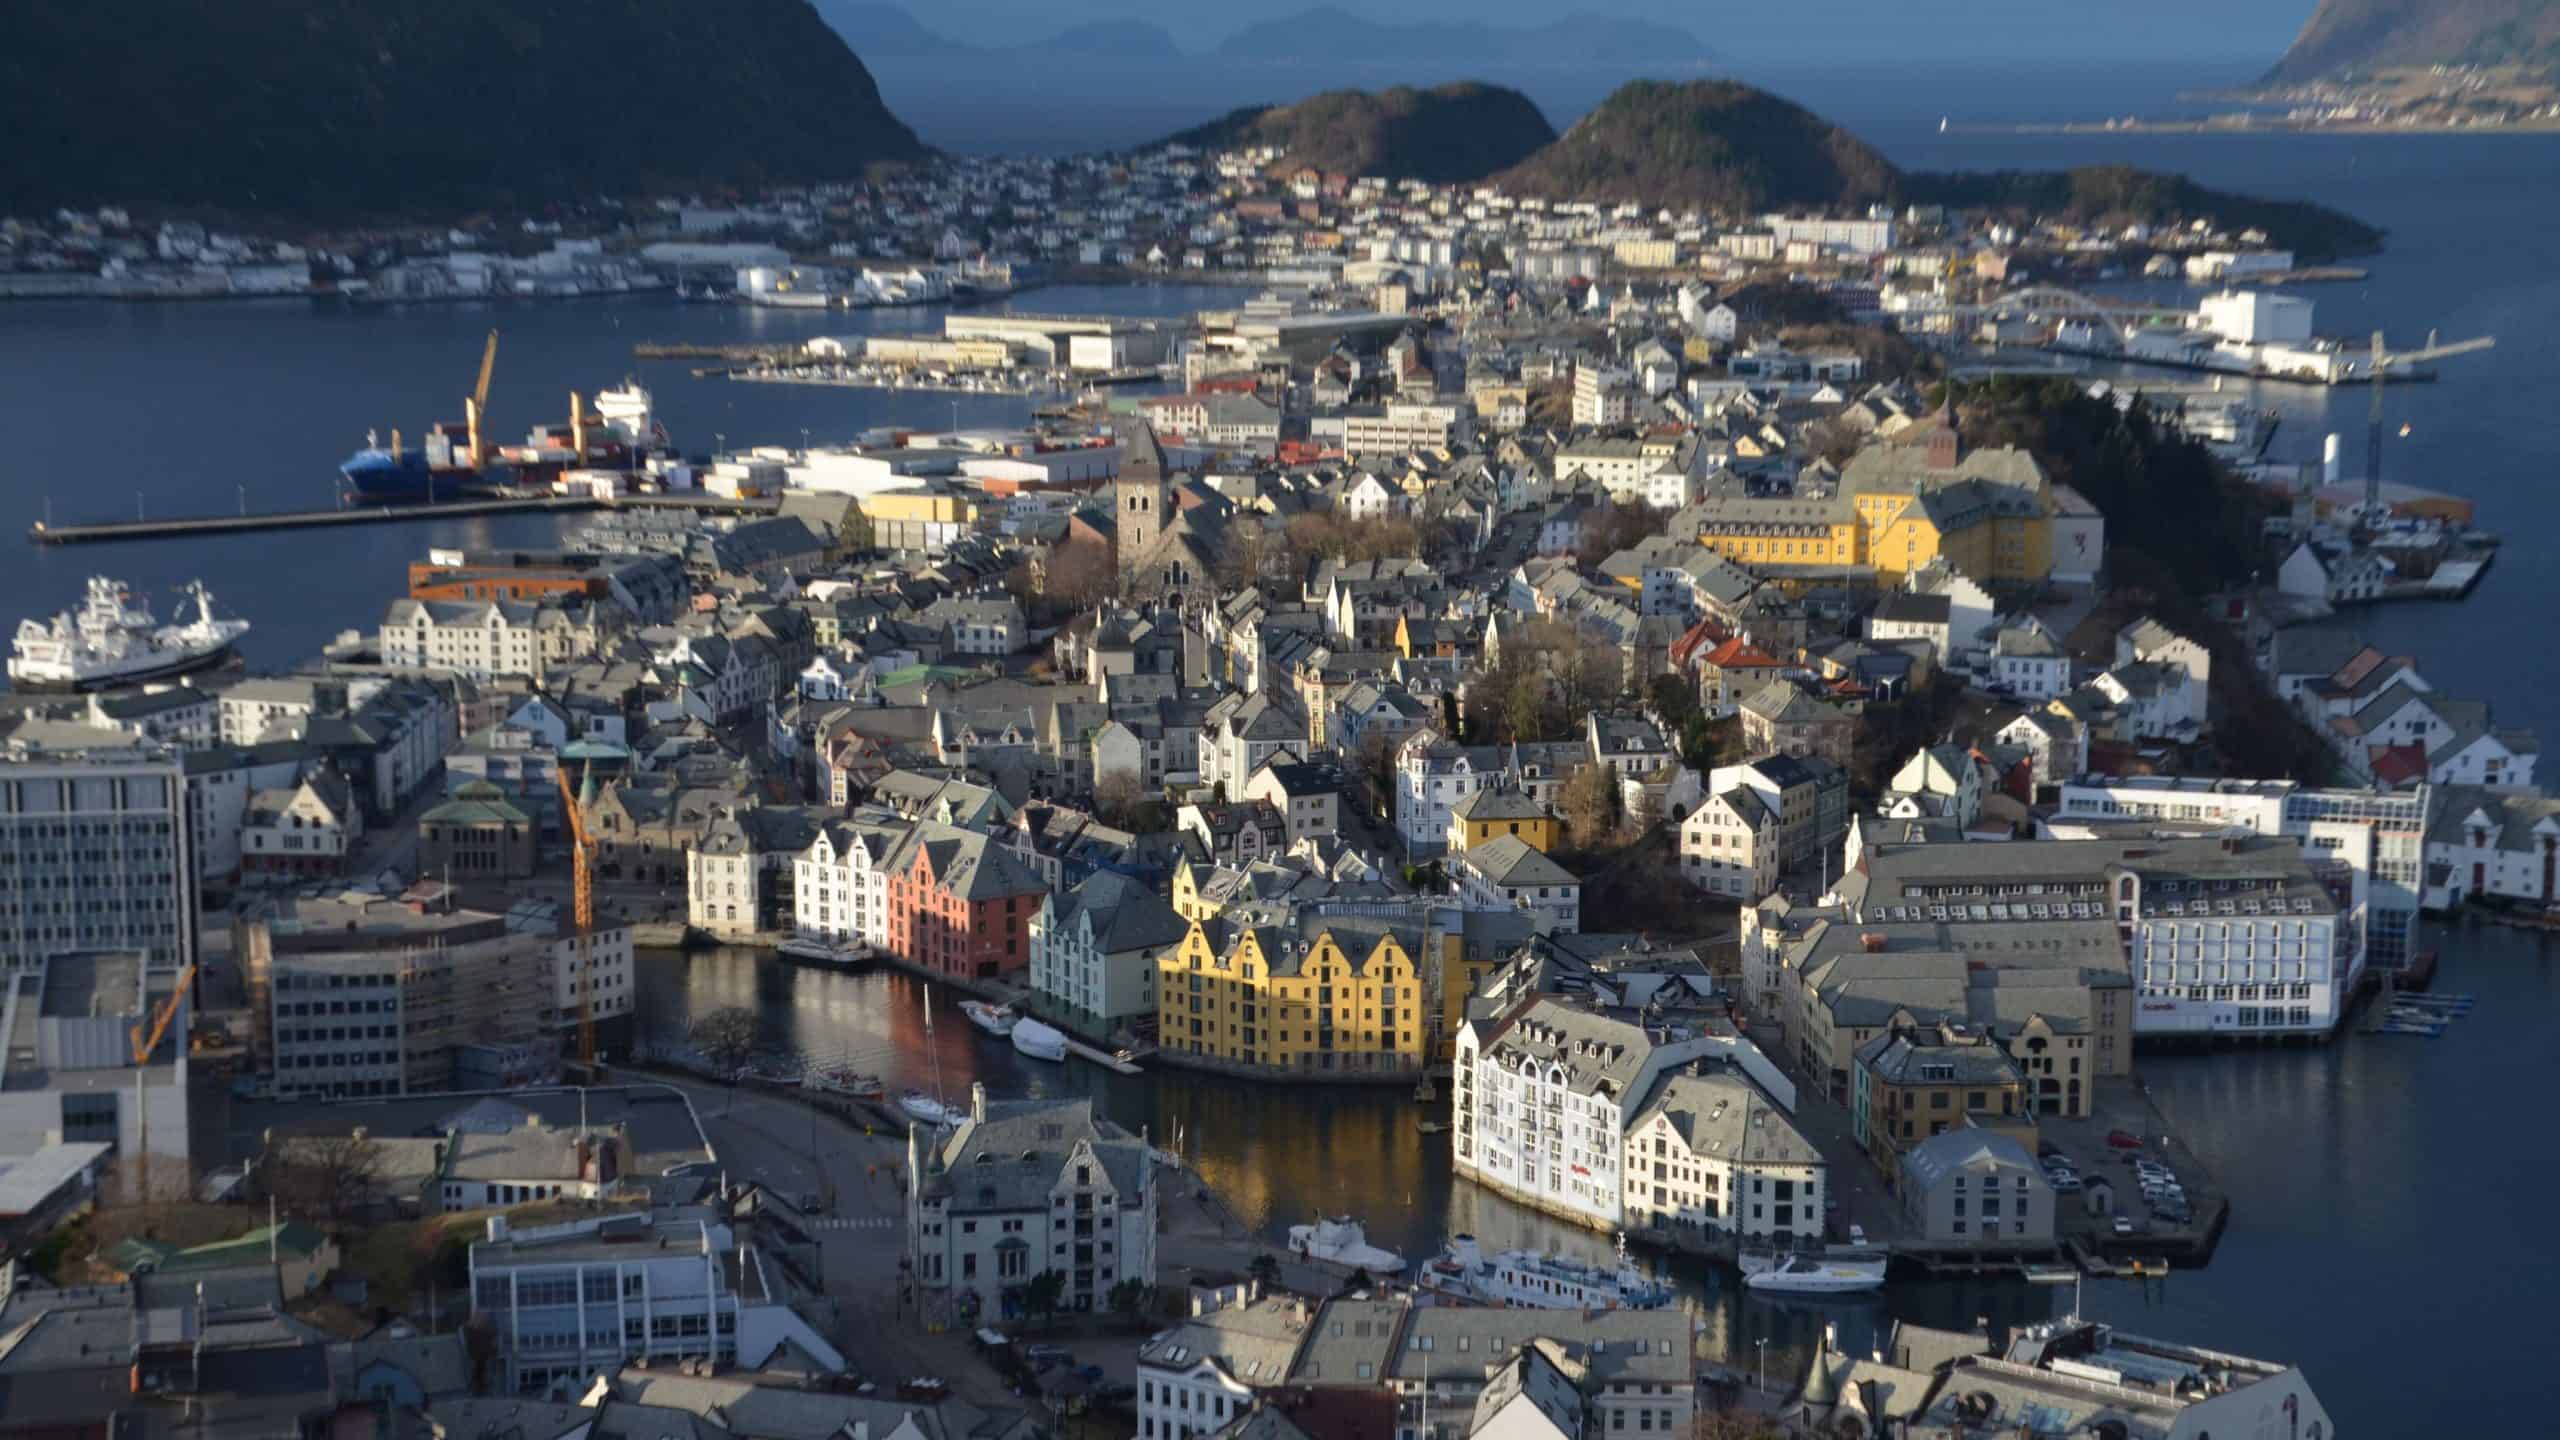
[1341,1241]
[1843,1271]
[809,951]
[852,1084]
[1040,1042]
[925,1109]
[994,1019]
[1535,1279]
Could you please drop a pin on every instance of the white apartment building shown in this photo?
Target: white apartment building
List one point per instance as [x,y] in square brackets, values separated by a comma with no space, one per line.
[1543,1097]
[839,894]
[1712,1152]
[2231,935]
[1432,776]
[1204,1373]
[486,639]
[1400,426]
[566,1301]
[1603,395]
[1022,1188]
[95,848]
[220,781]
[2380,837]
[1858,237]
[1094,949]
[1621,466]
[1732,845]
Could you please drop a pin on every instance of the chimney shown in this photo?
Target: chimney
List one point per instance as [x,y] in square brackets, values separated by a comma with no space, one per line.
[1872,942]
[978,1100]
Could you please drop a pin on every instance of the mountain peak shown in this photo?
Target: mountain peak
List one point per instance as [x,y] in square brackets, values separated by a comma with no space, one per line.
[2370,34]
[1447,134]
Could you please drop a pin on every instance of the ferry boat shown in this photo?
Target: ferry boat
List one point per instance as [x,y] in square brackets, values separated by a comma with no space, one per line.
[113,640]
[809,951]
[1341,1241]
[1040,1042]
[997,1020]
[1843,1270]
[1533,1278]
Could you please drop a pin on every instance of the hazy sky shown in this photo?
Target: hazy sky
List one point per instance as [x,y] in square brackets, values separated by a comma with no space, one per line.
[1765,30]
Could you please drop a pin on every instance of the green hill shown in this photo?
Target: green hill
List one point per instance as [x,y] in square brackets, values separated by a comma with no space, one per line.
[2118,195]
[1447,135]
[357,107]
[2367,34]
[1706,144]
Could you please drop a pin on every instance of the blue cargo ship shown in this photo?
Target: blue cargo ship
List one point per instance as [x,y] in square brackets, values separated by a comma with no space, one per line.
[441,470]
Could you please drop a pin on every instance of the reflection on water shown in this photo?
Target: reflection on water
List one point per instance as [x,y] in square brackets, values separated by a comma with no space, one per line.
[1279,1155]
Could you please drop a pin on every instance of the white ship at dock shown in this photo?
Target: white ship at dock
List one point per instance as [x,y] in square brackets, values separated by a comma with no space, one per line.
[112,639]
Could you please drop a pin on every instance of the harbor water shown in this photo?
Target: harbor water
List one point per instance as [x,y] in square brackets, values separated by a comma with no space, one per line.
[118,410]
[2387,1207]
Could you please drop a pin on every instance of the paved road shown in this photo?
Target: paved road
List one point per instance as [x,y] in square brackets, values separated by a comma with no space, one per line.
[860,1230]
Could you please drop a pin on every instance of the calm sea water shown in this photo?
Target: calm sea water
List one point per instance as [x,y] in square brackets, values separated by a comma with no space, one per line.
[112,410]
[2386,1218]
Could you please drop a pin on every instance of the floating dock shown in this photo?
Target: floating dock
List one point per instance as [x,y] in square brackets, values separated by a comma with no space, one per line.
[199,526]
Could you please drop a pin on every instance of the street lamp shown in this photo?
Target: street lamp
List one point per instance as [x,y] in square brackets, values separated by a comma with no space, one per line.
[1764,1364]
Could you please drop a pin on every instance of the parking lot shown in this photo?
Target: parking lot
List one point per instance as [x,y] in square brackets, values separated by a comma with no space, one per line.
[2121,1108]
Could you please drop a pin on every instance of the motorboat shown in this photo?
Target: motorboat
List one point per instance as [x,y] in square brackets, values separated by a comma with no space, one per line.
[810,951]
[838,1080]
[1536,1279]
[926,1110]
[994,1019]
[1341,1241]
[1839,1271]
[1040,1042]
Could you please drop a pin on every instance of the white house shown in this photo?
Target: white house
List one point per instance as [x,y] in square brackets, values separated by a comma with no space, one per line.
[1507,873]
[839,893]
[2027,663]
[1094,949]
[1730,846]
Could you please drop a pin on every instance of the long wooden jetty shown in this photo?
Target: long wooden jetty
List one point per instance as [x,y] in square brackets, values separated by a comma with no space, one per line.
[197,526]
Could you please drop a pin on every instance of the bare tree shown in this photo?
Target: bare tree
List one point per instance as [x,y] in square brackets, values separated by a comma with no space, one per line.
[1116,798]
[727,1038]
[324,1177]
[1589,801]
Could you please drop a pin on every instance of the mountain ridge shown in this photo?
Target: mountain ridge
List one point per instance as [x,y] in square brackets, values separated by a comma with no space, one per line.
[406,106]
[2366,34]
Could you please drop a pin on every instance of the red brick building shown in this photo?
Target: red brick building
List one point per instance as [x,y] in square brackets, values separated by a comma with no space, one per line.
[960,904]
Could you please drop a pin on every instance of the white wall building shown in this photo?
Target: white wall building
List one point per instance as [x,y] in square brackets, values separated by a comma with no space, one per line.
[1711,1152]
[566,1301]
[1024,1187]
[1543,1097]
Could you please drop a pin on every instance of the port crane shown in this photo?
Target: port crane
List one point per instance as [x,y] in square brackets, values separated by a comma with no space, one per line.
[2383,359]
[477,404]
[146,1034]
[582,883]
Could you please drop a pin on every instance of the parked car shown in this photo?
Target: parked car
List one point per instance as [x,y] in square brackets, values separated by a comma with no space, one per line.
[2064,1183]
[1857,1234]
[1048,1354]
[2122,1140]
[2123,1225]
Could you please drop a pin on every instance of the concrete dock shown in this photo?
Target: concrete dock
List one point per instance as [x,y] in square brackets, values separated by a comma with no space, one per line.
[193,527]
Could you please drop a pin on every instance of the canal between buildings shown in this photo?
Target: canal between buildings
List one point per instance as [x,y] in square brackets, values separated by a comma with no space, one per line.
[2380,1193]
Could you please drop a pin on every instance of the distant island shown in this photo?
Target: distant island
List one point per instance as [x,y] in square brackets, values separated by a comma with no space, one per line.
[1728,148]
[409,107]
[1448,134]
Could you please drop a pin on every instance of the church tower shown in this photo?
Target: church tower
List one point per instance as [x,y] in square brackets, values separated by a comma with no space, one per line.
[1140,495]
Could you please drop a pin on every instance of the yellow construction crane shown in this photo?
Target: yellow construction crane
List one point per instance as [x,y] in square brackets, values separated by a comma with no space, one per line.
[148,1033]
[582,881]
[478,402]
